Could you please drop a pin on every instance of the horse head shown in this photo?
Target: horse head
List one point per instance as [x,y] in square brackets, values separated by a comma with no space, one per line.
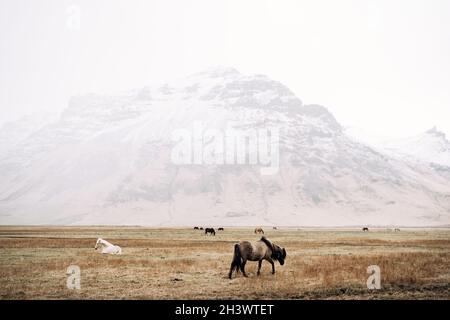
[279,254]
[99,241]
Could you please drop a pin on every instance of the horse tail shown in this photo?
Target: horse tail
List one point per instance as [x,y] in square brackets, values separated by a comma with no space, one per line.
[237,260]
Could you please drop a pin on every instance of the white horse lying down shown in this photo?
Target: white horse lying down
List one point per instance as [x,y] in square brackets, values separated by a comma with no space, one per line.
[107,247]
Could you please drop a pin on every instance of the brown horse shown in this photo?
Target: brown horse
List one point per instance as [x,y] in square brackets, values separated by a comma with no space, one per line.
[259,230]
[256,251]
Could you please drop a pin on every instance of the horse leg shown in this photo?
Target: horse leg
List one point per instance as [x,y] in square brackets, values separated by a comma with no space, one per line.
[273,265]
[231,269]
[259,267]
[243,267]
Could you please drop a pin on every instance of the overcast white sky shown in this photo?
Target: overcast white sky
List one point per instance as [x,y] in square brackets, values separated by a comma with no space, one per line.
[381,65]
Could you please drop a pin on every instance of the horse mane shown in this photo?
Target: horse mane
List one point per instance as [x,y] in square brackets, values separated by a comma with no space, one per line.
[268,243]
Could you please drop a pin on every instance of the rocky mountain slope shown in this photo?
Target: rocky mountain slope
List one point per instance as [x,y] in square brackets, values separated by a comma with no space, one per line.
[110,160]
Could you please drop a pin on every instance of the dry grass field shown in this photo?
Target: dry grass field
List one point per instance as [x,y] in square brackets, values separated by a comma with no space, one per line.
[186,264]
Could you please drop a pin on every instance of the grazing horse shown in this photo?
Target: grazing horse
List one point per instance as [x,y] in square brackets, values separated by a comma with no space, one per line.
[256,251]
[211,231]
[107,247]
[259,230]
[365,229]
[220,229]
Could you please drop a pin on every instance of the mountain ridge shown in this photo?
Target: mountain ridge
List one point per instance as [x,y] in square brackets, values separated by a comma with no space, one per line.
[107,160]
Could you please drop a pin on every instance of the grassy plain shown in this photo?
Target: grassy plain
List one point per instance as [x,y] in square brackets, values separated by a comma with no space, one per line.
[182,263]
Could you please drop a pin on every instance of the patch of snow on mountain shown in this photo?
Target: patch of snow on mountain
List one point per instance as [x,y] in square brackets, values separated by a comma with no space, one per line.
[431,146]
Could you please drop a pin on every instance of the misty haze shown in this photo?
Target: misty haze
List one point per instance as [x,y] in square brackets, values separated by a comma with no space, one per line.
[149,149]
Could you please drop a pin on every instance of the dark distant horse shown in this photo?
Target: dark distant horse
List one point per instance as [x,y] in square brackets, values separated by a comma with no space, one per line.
[259,230]
[256,251]
[274,228]
[195,228]
[201,228]
[365,229]
[211,231]
[396,230]
[220,229]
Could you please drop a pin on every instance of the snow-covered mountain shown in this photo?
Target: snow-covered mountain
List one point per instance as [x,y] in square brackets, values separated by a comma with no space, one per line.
[109,160]
[430,147]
